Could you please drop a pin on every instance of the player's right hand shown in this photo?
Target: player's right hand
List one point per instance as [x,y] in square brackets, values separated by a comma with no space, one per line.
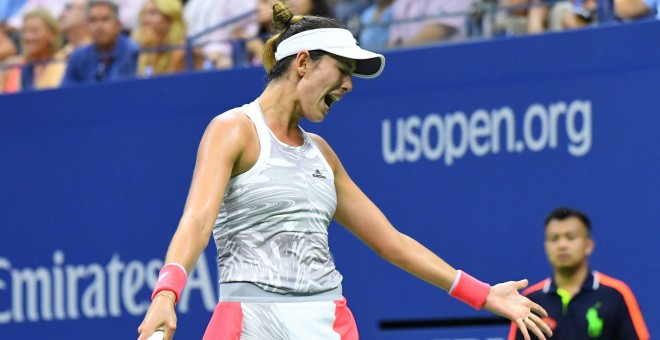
[160,316]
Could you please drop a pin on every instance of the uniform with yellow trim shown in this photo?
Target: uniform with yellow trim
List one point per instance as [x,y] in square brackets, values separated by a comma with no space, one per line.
[605,308]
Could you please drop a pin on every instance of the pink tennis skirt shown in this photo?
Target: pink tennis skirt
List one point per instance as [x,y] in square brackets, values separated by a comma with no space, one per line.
[319,320]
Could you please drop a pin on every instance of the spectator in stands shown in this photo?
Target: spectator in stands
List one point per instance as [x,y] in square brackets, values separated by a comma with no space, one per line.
[73,25]
[537,16]
[111,56]
[19,10]
[511,17]
[633,9]
[419,22]
[219,29]
[581,13]
[7,46]
[310,7]
[255,46]
[581,303]
[161,35]
[129,14]
[265,17]
[8,34]
[375,24]
[35,69]
[547,15]
[348,12]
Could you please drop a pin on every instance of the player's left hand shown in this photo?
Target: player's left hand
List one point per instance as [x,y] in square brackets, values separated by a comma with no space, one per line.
[505,300]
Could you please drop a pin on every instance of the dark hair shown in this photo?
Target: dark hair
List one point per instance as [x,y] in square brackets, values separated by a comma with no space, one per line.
[113,6]
[563,213]
[288,25]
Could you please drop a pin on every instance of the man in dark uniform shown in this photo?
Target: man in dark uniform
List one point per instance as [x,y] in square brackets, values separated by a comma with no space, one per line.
[581,303]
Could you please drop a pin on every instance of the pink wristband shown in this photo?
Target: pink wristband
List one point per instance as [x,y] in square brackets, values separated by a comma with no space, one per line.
[469,290]
[172,277]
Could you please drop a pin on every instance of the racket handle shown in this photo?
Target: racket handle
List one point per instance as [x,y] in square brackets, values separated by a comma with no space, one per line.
[158,335]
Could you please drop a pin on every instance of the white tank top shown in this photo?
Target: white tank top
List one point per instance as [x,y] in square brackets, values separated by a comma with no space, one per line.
[272,229]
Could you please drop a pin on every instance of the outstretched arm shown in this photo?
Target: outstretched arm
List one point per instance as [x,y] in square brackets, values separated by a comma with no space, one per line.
[357,213]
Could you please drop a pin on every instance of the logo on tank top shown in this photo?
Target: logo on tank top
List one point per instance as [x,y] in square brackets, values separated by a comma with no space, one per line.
[318,174]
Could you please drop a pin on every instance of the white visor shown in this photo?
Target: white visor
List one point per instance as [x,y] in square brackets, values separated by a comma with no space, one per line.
[337,41]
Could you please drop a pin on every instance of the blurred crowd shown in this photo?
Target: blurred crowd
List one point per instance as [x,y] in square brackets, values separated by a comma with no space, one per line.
[56,43]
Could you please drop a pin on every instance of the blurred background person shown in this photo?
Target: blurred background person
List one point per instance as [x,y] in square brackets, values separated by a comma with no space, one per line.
[580,14]
[518,17]
[310,7]
[129,14]
[254,46]
[375,24]
[544,15]
[161,36]
[348,12]
[35,68]
[511,17]
[9,39]
[55,7]
[582,303]
[219,29]
[418,22]
[634,9]
[7,46]
[9,63]
[111,56]
[73,26]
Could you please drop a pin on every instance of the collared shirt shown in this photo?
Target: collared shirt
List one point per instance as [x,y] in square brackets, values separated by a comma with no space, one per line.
[604,308]
[87,65]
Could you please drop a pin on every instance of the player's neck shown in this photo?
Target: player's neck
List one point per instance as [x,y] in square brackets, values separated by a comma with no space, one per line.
[278,106]
[571,279]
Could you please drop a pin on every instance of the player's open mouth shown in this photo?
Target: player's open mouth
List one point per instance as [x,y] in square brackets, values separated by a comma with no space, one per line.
[331,99]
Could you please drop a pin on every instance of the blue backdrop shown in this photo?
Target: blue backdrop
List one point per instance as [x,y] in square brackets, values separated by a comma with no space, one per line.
[465,147]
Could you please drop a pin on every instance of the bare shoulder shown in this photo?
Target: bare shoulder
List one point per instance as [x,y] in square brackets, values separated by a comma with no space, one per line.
[233,135]
[233,119]
[233,125]
[229,131]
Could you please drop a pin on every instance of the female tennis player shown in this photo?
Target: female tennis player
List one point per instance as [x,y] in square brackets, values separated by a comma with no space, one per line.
[267,191]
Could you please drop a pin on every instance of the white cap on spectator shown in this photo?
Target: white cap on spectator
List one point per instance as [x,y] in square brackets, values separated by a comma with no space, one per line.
[337,41]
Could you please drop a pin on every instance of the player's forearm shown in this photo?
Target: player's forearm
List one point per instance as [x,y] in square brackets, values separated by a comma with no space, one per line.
[422,263]
[190,239]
